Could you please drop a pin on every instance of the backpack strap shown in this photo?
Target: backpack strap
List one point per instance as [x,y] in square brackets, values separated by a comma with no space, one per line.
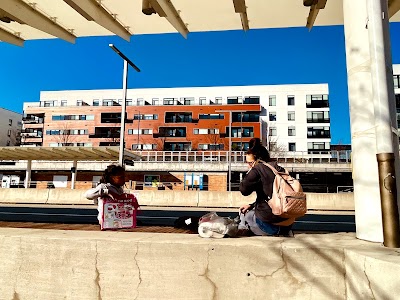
[272,168]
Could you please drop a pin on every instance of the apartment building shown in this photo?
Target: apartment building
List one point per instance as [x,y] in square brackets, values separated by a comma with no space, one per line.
[286,117]
[10,127]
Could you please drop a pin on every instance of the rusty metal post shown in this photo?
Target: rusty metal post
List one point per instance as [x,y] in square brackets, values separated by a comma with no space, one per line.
[388,191]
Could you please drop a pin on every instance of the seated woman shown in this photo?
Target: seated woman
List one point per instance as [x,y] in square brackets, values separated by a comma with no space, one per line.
[258,216]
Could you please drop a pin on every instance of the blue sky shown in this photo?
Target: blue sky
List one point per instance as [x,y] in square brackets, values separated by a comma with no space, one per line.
[268,56]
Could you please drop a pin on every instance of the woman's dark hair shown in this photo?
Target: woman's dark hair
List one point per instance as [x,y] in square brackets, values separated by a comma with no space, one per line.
[111,170]
[258,150]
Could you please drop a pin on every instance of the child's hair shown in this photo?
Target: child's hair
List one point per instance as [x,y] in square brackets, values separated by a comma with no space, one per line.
[111,170]
[258,150]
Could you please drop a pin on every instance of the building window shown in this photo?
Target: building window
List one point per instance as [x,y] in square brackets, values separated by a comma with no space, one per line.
[291,116]
[206,131]
[234,100]
[251,100]
[96,102]
[9,122]
[272,100]
[79,102]
[129,102]
[140,102]
[318,117]
[154,101]
[292,147]
[245,116]
[272,116]
[188,101]
[211,116]
[151,180]
[178,117]
[63,102]
[72,117]
[202,146]
[319,146]
[316,101]
[218,100]
[9,132]
[140,131]
[212,147]
[49,103]
[290,100]
[273,131]
[203,101]
[108,102]
[291,131]
[8,143]
[318,132]
[168,101]
[396,80]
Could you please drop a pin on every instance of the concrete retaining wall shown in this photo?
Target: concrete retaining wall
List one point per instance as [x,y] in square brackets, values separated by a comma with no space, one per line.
[341,201]
[50,264]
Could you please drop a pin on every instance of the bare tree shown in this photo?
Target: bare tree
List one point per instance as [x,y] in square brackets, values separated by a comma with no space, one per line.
[275,148]
[65,136]
[214,138]
[15,137]
[160,143]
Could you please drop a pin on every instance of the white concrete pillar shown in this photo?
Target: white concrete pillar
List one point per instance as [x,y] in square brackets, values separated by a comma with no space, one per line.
[73,174]
[28,173]
[387,142]
[363,137]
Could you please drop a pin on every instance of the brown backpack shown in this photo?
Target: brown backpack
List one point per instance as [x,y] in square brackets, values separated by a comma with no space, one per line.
[288,199]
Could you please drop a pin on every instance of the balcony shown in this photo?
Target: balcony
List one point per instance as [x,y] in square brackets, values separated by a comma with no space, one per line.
[318,104]
[25,135]
[320,120]
[32,120]
[320,135]
[172,132]
[178,118]
[31,139]
[105,132]
[100,135]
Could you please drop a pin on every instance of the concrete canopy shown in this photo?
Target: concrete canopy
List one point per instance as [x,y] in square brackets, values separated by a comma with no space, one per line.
[67,19]
[63,153]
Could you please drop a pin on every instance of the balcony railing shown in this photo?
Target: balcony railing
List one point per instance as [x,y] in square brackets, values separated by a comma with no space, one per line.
[32,120]
[310,120]
[104,135]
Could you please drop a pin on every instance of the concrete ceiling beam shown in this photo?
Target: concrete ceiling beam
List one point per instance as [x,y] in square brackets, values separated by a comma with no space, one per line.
[166,9]
[8,37]
[23,13]
[94,11]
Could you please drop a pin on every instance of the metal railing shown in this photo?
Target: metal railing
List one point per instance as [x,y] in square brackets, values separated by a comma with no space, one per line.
[166,185]
[305,157]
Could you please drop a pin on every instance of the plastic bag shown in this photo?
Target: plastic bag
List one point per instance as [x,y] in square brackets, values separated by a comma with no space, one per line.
[213,226]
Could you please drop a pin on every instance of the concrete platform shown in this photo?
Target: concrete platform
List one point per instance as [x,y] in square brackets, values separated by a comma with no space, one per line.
[58,264]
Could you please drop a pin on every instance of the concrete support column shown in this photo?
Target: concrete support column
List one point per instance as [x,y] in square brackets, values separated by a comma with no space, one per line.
[73,174]
[364,163]
[28,174]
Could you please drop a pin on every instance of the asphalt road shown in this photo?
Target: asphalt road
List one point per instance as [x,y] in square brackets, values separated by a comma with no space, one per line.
[148,216]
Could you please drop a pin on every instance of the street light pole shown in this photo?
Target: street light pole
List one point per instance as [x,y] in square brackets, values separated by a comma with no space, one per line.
[230,151]
[123,113]
[124,92]
[230,143]
[138,128]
